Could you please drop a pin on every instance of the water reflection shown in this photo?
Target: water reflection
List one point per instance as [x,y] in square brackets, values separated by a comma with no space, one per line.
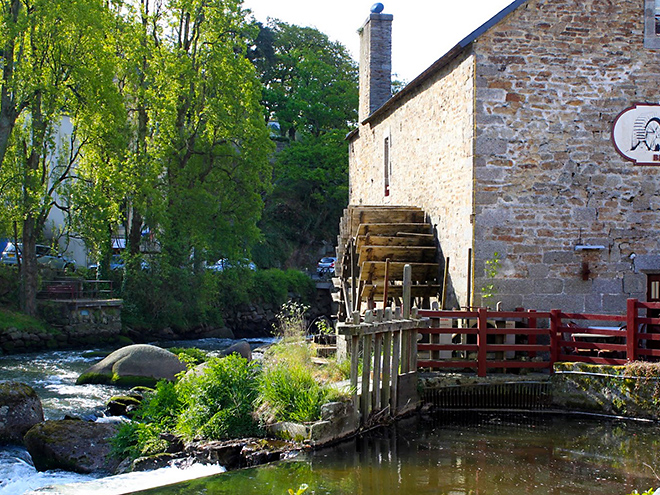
[469,455]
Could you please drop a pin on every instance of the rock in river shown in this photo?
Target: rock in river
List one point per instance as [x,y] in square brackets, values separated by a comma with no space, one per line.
[139,364]
[20,410]
[73,445]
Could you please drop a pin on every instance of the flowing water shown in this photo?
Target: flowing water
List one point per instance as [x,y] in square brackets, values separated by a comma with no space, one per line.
[461,454]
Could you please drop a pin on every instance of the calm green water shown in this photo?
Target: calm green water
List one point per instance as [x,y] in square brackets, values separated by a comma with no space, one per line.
[485,454]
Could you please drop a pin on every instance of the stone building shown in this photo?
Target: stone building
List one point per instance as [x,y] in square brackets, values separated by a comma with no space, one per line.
[507,143]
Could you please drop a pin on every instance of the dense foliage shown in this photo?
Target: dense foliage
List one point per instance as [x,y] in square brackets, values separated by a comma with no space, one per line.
[311,95]
[205,298]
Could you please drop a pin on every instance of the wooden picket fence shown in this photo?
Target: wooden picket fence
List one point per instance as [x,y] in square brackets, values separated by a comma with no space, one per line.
[484,340]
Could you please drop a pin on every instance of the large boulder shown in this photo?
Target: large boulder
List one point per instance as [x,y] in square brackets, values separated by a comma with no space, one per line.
[73,445]
[138,364]
[20,410]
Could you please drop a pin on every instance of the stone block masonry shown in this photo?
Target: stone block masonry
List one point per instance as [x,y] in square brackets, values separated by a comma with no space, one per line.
[551,78]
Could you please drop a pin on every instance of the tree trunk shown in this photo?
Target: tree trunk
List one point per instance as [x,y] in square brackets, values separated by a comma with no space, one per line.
[32,223]
[29,268]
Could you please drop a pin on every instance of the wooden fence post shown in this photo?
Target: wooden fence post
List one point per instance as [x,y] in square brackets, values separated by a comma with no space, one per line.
[387,370]
[377,370]
[555,323]
[482,326]
[631,329]
[396,356]
[366,377]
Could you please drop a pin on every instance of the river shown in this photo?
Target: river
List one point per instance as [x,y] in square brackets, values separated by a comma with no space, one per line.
[458,454]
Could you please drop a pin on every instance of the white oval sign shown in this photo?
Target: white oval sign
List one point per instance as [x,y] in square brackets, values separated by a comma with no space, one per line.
[636,134]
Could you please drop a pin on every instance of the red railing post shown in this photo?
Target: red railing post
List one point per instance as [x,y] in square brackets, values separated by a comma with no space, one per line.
[531,323]
[555,323]
[631,329]
[482,338]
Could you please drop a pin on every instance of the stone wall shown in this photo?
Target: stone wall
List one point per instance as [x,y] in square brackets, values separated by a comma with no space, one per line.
[551,79]
[430,154]
[74,326]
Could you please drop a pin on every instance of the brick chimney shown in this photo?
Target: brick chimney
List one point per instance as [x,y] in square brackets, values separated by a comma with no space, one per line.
[375,63]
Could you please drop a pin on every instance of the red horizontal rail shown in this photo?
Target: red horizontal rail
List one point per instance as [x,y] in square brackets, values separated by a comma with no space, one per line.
[649,352]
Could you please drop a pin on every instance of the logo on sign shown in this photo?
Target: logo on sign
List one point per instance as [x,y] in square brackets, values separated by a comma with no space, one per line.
[636,134]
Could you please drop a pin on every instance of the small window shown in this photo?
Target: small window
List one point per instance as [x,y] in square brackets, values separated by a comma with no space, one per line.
[653,288]
[652,23]
[386,165]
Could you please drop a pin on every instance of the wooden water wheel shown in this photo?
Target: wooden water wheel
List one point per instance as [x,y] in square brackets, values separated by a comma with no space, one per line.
[374,244]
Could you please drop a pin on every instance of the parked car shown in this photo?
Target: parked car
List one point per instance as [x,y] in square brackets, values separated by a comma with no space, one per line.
[45,257]
[116,263]
[326,266]
[224,264]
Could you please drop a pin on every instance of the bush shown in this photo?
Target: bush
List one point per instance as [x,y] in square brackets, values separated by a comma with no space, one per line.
[289,392]
[274,286]
[9,284]
[217,402]
[156,414]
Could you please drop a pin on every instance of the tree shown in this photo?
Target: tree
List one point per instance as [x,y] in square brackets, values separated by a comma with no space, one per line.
[311,91]
[61,69]
[310,82]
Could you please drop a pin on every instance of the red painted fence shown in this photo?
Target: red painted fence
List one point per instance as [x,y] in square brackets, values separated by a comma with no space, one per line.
[484,339]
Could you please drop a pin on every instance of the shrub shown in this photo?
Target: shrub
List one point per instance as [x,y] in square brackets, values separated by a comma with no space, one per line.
[274,286]
[9,284]
[289,392]
[217,402]
[137,439]
[156,414]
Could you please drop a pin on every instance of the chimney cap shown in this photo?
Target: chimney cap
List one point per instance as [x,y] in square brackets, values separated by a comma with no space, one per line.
[377,8]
